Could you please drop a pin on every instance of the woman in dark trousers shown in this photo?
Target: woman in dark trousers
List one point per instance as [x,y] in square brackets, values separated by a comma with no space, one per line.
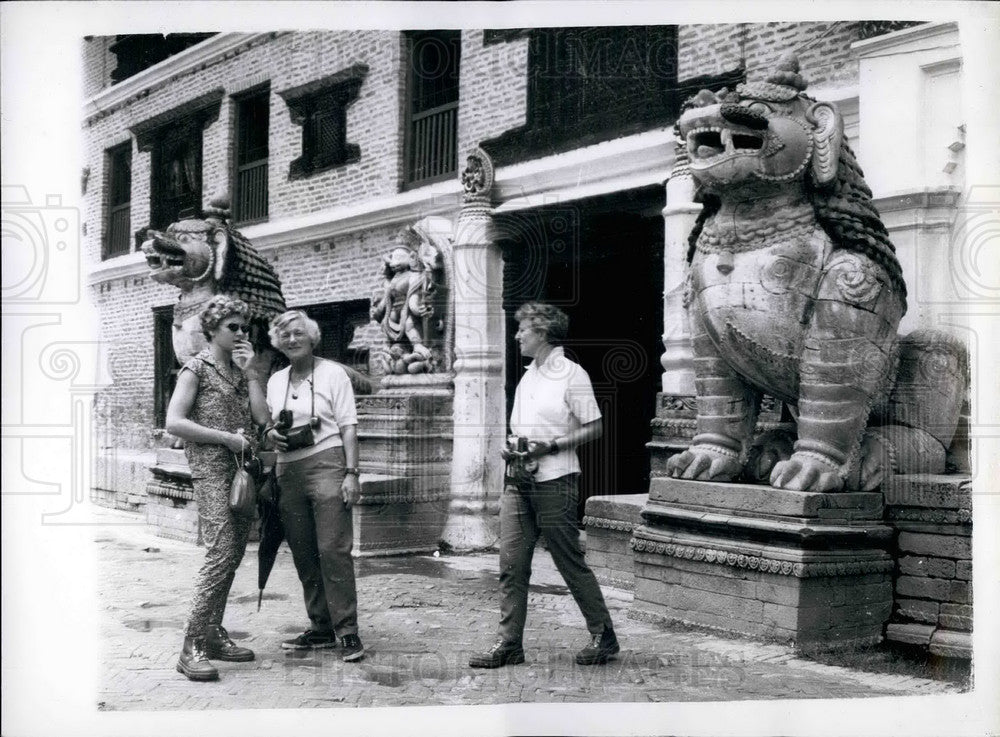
[555,410]
[314,429]
[217,398]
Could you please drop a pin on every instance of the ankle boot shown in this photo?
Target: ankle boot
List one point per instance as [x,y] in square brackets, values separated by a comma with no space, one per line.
[220,646]
[194,662]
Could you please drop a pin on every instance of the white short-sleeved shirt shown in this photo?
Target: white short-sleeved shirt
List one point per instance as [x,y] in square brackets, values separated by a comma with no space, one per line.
[334,405]
[551,400]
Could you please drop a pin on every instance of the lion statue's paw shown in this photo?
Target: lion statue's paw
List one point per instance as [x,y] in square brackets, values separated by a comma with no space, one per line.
[704,463]
[806,472]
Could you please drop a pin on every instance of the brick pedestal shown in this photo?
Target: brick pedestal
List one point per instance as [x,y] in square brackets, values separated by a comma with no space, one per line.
[808,569]
[405,435]
[933,588]
[610,522]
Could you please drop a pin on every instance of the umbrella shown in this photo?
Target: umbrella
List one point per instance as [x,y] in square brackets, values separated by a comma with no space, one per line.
[272,531]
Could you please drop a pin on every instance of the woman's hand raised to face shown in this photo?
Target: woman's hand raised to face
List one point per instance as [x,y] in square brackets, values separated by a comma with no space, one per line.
[243,354]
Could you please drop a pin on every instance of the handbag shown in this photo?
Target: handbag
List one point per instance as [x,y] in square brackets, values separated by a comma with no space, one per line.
[243,490]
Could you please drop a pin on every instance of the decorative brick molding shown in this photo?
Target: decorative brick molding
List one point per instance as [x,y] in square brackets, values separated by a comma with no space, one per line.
[765,565]
[608,524]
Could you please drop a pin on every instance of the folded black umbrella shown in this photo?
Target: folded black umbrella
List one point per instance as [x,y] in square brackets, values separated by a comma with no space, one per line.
[272,531]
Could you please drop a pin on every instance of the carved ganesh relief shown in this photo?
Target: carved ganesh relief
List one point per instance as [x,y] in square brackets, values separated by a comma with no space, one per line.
[794,290]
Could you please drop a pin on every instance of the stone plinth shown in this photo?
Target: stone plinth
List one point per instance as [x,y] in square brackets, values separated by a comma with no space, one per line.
[397,515]
[809,569]
[405,437]
[171,509]
[610,522]
[933,587]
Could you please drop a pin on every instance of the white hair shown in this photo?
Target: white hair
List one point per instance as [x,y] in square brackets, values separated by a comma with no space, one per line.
[283,320]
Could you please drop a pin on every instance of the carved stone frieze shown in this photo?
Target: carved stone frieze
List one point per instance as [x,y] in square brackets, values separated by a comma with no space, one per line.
[760,563]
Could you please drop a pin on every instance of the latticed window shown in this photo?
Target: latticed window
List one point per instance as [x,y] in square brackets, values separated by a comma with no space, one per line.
[432,113]
[119,213]
[251,184]
[320,107]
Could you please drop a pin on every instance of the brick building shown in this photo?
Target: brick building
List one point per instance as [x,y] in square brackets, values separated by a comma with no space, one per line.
[330,141]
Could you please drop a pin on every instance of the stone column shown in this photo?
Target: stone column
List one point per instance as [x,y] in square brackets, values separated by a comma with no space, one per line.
[673,425]
[480,424]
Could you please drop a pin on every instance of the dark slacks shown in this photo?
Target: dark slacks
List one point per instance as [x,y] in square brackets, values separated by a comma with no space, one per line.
[225,537]
[545,508]
[320,532]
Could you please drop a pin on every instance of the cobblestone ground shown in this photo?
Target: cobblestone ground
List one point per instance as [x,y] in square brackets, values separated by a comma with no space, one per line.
[420,619]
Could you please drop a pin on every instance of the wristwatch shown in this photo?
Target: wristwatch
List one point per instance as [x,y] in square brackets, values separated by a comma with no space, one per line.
[553,447]
[353,470]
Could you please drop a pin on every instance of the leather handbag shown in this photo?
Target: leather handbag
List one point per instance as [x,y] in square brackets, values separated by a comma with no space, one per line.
[243,490]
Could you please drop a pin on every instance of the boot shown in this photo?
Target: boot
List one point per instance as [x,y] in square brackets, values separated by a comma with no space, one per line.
[600,648]
[219,646]
[194,662]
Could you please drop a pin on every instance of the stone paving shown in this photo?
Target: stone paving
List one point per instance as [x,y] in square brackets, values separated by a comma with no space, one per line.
[420,618]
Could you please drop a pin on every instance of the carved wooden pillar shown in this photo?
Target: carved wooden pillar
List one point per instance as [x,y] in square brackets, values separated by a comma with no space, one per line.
[477,469]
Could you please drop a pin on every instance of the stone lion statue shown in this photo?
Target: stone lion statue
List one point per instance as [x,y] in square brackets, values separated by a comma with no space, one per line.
[794,290]
[207,256]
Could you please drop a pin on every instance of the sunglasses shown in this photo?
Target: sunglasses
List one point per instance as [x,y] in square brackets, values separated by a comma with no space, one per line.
[234,328]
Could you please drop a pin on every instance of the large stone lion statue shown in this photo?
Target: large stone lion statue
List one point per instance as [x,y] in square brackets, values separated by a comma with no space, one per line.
[794,290]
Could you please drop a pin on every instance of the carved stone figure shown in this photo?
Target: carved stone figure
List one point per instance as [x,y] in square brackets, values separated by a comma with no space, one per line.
[405,305]
[794,290]
[207,256]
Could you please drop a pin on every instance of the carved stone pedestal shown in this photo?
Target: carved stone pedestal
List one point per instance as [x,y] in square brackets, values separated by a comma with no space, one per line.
[809,569]
[610,521]
[171,509]
[405,434]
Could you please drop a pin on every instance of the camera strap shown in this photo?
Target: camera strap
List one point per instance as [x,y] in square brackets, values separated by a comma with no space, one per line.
[312,389]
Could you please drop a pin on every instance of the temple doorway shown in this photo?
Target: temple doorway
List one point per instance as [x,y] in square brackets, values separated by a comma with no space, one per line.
[600,260]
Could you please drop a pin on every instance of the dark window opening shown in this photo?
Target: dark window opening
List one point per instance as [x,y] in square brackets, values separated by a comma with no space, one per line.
[119,214]
[251,185]
[320,107]
[176,190]
[165,365]
[174,139]
[432,111]
[337,323]
[139,51]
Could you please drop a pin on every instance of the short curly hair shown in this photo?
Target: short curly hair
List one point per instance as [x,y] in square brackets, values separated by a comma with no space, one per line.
[218,309]
[546,319]
[282,321]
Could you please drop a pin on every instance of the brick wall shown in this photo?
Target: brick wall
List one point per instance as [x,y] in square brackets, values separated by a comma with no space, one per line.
[933,588]
[98,62]
[823,50]
[493,92]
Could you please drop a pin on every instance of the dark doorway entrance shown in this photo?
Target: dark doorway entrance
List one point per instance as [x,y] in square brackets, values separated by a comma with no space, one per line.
[600,260]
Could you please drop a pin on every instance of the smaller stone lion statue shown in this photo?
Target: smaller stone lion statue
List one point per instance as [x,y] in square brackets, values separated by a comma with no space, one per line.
[405,304]
[204,257]
[794,290]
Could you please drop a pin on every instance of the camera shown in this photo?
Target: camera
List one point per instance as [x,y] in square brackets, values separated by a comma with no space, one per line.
[520,469]
[297,437]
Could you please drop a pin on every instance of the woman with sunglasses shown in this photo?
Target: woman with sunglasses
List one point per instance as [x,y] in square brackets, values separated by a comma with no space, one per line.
[314,430]
[217,397]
